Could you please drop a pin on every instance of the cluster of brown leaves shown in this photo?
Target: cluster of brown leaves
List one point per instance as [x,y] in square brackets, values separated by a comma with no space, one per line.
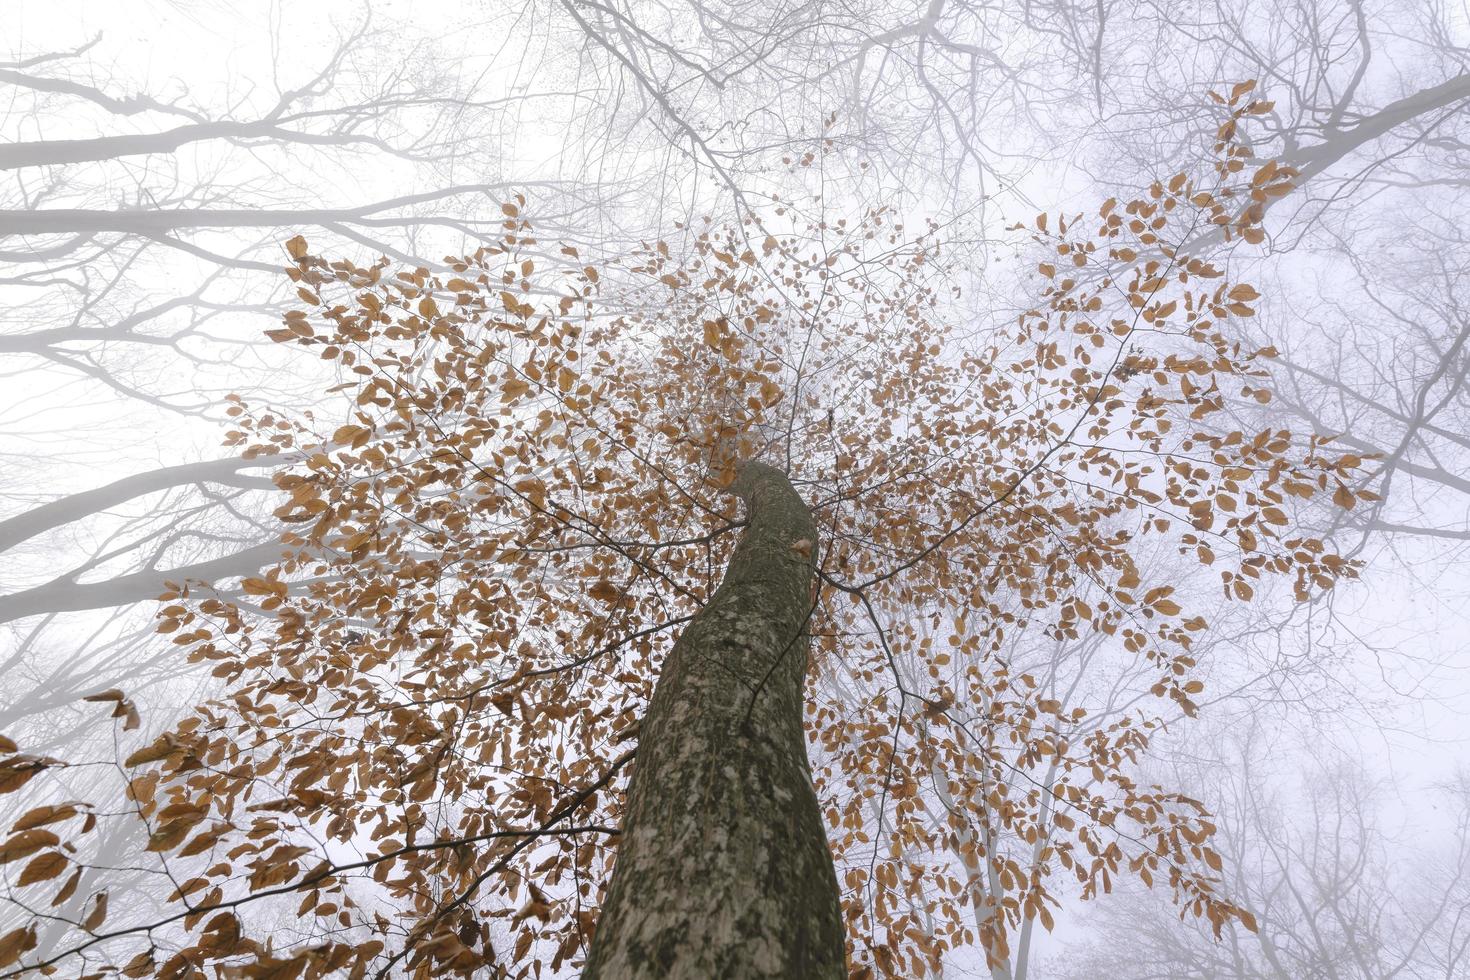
[431,699]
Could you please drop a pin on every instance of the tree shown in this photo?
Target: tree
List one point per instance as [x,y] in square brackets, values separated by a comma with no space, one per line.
[436,693]
[1318,868]
[143,216]
[723,867]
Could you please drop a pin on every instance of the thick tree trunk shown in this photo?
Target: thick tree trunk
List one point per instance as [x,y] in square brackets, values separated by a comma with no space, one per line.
[723,869]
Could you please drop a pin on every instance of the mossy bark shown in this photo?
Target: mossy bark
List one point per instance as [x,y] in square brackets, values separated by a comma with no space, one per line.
[723,868]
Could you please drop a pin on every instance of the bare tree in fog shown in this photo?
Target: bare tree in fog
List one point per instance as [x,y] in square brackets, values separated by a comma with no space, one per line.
[1308,846]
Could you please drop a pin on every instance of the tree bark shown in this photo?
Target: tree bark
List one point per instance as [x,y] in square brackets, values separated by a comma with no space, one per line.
[723,869]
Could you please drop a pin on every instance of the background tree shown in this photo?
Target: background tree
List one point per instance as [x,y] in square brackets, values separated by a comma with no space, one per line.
[1322,875]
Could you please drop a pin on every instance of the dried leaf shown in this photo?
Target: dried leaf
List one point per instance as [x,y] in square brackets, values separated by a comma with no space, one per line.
[43,867]
[97,914]
[26,843]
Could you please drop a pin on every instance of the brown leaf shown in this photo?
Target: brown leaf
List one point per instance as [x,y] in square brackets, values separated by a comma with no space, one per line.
[43,867]
[42,815]
[161,748]
[604,591]
[16,943]
[26,843]
[97,913]
[504,702]
[67,890]
[140,965]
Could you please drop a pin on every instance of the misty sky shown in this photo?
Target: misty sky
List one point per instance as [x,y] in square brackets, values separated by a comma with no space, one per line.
[139,278]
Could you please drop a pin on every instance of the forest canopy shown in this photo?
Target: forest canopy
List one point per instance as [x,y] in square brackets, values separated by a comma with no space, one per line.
[519,492]
[738,488]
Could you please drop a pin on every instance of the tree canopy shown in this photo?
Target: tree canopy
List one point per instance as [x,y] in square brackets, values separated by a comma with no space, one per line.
[517,494]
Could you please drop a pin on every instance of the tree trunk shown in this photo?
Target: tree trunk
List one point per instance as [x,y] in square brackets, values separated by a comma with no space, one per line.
[723,869]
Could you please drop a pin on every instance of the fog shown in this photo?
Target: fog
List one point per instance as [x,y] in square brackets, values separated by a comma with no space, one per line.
[158,156]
